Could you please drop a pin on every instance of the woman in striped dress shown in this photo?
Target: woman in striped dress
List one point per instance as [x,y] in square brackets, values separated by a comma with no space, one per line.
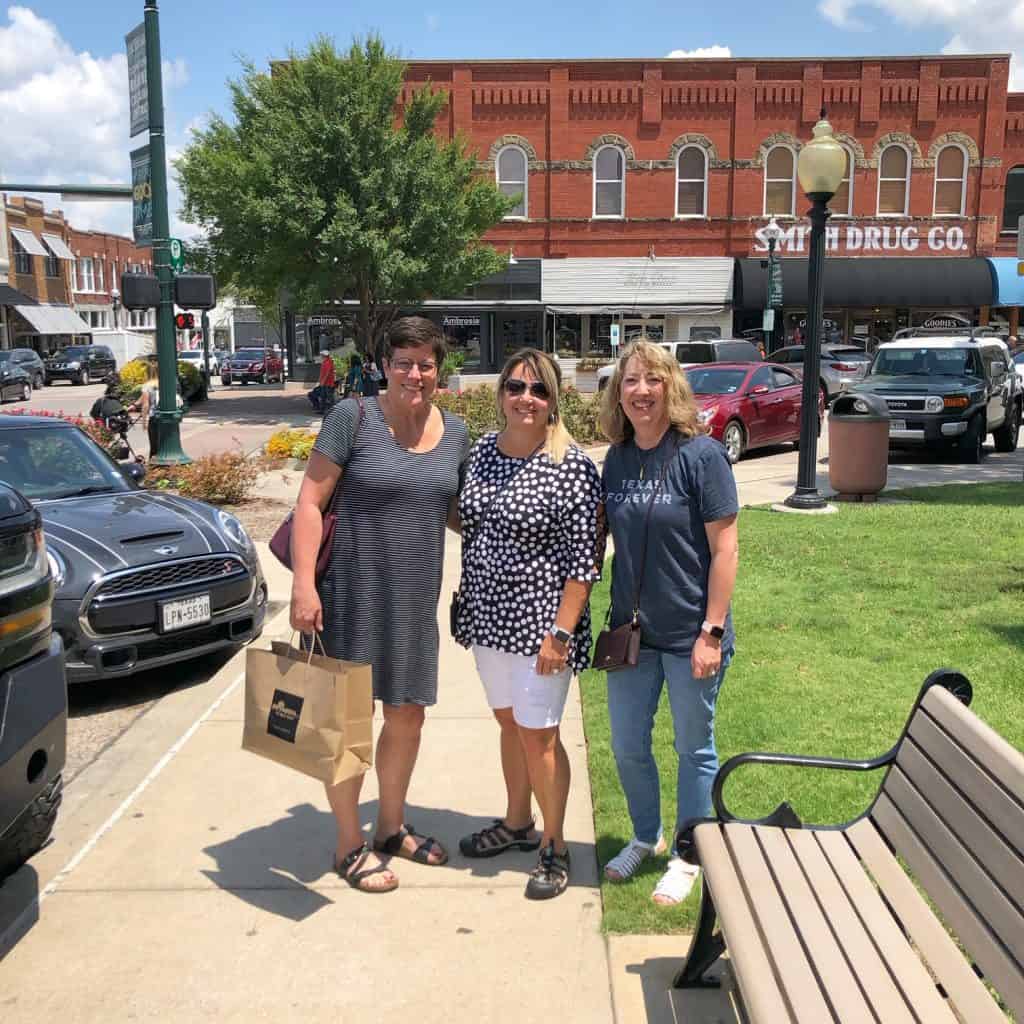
[389,468]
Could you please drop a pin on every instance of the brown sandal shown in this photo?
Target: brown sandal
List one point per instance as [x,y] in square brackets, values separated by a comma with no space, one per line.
[394,846]
[355,878]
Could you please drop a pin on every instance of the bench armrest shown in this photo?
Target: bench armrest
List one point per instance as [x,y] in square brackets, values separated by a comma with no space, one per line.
[784,814]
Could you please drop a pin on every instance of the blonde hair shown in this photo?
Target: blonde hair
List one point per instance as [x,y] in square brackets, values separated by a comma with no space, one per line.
[679,400]
[547,371]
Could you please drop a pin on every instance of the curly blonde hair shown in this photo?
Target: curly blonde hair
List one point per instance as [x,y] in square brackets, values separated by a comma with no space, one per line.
[679,400]
[548,372]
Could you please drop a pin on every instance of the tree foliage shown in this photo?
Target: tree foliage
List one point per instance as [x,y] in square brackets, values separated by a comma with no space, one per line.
[324,185]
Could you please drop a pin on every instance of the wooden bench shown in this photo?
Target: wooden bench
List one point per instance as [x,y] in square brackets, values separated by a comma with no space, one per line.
[823,923]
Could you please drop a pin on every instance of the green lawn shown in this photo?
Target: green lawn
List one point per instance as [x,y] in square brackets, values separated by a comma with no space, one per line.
[838,621]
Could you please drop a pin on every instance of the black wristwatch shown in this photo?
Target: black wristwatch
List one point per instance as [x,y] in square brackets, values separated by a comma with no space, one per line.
[563,636]
[715,632]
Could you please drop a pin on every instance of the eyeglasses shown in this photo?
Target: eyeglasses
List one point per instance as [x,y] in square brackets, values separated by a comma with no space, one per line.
[518,387]
[406,365]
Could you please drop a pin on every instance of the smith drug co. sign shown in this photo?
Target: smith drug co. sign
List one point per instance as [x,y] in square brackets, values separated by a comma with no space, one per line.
[871,239]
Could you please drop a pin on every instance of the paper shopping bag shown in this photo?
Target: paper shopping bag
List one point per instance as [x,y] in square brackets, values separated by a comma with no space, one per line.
[309,712]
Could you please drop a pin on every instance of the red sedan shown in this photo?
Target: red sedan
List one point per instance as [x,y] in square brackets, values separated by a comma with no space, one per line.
[748,405]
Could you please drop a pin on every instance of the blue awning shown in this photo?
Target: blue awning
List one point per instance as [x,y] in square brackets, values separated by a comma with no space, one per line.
[1007,285]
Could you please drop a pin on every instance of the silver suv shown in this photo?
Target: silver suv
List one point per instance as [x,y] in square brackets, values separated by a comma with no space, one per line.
[840,368]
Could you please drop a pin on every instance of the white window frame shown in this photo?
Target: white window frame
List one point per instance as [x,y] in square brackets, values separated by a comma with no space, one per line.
[526,183]
[101,262]
[621,215]
[792,182]
[88,280]
[704,184]
[20,255]
[963,180]
[851,163]
[906,183]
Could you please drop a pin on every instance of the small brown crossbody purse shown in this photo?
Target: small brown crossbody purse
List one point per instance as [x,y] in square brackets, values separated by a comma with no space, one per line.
[620,647]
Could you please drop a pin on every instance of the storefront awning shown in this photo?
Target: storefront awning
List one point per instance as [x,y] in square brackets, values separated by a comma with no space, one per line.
[636,310]
[54,319]
[29,242]
[57,246]
[1009,285]
[633,284]
[936,283]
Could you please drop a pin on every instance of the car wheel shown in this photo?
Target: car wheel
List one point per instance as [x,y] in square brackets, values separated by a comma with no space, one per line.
[30,830]
[39,381]
[26,391]
[264,377]
[83,378]
[734,441]
[1007,435]
[970,447]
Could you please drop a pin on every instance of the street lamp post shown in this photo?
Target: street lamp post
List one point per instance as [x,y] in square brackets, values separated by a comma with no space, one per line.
[773,302]
[821,166]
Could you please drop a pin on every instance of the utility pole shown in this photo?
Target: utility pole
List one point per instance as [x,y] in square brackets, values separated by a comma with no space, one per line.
[168,417]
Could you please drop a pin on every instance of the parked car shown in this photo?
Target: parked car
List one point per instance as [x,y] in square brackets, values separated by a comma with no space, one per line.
[747,406]
[252,364]
[144,579]
[29,361]
[841,366]
[33,693]
[947,390]
[80,364]
[690,353]
[15,383]
[195,357]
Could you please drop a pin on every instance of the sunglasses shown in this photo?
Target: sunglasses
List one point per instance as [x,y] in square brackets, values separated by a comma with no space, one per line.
[518,387]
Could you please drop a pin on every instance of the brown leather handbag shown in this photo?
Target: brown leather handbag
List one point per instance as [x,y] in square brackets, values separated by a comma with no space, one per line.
[620,647]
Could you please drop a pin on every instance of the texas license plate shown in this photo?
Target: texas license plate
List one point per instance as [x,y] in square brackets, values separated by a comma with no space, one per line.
[189,611]
[895,425]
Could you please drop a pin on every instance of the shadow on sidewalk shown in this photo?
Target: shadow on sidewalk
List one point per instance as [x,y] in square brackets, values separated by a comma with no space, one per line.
[19,907]
[294,853]
[666,1005]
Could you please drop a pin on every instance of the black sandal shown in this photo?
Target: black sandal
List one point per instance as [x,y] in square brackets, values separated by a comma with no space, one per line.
[498,838]
[551,875]
[356,878]
[393,846]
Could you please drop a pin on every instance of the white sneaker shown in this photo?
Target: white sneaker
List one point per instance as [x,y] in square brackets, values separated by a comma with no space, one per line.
[675,885]
[625,863]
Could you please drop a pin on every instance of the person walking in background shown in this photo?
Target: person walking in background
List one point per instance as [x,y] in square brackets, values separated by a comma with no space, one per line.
[389,469]
[354,377]
[528,511]
[148,404]
[371,378]
[671,505]
[323,395]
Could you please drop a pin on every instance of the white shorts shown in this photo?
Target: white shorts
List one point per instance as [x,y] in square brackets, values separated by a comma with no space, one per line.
[511,681]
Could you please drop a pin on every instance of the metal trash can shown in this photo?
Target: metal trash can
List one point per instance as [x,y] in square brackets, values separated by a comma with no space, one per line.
[858,446]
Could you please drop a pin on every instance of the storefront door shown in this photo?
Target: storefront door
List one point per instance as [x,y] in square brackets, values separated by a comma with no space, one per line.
[514,333]
[653,328]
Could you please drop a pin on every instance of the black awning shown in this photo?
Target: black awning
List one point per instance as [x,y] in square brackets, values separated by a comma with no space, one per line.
[935,282]
[12,297]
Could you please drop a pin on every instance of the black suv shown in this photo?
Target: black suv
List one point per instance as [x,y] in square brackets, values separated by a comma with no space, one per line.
[33,692]
[31,362]
[947,389]
[81,364]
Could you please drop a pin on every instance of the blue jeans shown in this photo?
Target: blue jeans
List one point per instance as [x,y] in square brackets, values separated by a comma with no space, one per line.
[633,695]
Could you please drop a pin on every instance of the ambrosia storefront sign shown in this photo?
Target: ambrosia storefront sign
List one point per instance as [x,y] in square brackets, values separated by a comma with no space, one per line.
[853,239]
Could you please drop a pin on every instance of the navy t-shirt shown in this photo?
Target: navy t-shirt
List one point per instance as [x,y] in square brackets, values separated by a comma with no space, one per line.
[698,488]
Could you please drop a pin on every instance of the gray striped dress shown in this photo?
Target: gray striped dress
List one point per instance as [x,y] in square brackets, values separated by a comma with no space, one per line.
[381,588]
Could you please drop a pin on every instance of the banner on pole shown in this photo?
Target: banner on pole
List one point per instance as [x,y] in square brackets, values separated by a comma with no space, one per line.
[142,196]
[138,86]
[774,282]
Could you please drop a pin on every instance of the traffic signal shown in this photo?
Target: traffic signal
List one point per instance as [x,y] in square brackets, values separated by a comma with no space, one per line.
[184,321]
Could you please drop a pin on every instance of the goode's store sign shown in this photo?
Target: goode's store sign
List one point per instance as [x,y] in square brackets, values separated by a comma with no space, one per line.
[852,240]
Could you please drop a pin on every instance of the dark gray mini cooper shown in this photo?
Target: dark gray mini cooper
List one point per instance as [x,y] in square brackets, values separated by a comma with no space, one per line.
[143,578]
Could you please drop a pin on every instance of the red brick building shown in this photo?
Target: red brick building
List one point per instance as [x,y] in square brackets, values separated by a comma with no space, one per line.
[661,174]
[100,259]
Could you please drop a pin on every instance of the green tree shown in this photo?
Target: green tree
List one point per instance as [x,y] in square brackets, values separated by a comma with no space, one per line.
[326,185]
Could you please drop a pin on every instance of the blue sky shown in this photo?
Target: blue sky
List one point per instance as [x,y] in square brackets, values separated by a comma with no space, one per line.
[63,83]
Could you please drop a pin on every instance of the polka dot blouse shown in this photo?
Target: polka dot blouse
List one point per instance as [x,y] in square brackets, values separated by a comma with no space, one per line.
[542,532]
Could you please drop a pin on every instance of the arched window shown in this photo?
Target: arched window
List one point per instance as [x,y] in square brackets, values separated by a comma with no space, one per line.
[1013,199]
[691,182]
[893,181]
[950,182]
[780,181]
[510,170]
[841,204]
[609,182]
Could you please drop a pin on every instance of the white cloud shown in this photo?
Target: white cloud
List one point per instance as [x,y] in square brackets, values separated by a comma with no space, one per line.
[703,51]
[975,26]
[64,117]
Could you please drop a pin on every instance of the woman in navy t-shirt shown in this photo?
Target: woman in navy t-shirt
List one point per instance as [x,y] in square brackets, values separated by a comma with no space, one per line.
[665,478]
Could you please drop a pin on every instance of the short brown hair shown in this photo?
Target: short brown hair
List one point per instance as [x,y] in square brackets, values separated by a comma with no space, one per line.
[413,331]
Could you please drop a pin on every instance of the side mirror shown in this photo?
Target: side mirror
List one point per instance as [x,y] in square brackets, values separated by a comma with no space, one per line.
[761,389]
[135,472]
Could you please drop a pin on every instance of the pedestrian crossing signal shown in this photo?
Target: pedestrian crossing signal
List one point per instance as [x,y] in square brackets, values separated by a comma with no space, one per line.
[184,321]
